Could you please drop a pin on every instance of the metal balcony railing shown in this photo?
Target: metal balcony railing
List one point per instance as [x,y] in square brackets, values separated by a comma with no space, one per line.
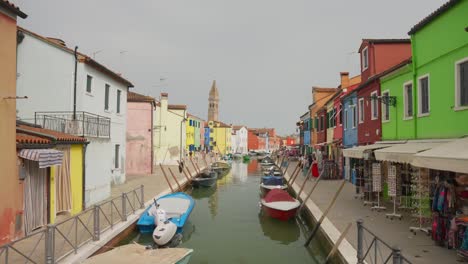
[84,124]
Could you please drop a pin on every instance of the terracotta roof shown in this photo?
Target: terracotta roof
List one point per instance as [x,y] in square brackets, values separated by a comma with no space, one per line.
[22,138]
[12,8]
[235,128]
[383,41]
[177,107]
[51,135]
[136,97]
[195,117]
[321,89]
[221,124]
[433,16]
[81,57]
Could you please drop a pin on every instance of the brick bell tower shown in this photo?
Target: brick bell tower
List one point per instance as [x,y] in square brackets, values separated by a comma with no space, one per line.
[213,103]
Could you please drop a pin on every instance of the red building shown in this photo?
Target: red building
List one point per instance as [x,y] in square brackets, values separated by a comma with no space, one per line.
[376,55]
[252,140]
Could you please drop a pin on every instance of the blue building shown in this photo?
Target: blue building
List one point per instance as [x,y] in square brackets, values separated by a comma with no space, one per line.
[207,138]
[350,120]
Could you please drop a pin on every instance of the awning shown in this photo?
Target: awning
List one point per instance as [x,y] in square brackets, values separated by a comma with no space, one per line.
[45,157]
[360,152]
[451,156]
[403,153]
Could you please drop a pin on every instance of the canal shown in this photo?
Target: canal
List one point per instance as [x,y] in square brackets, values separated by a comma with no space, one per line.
[228,226]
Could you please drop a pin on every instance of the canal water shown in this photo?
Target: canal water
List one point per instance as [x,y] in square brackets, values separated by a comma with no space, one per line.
[227,225]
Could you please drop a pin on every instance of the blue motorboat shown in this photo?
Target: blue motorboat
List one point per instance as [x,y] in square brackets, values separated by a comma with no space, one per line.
[272,180]
[177,206]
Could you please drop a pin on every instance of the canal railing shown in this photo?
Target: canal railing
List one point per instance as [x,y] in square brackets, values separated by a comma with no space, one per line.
[372,249]
[57,241]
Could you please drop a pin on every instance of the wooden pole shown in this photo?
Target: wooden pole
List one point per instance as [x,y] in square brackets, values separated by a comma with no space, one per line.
[165,176]
[317,226]
[310,193]
[337,244]
[185,173]
[175,179]
[204,159]
[193,165]
[287,167]
[302,188]
[293,173]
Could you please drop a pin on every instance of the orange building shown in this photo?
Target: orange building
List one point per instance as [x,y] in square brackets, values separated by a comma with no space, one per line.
[319,96]
[10,205]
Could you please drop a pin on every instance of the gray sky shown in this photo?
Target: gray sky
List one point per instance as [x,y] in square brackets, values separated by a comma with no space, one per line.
[265,54]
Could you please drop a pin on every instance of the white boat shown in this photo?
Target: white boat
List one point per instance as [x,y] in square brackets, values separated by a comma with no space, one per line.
[138,254]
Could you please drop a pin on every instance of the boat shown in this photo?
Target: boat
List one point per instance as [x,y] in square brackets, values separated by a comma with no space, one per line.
[246,158]
[275,173]
[207,179]
[272,180]
[177,207]
[266,162]
[267,188]
[221,167]
[280,205]
[139,254]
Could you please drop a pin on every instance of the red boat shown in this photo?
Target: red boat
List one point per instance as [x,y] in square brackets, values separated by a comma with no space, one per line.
[280,205]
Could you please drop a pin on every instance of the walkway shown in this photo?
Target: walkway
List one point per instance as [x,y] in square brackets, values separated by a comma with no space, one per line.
[417,248]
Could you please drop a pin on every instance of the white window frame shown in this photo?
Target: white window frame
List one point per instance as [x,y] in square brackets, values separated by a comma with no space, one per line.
[361,110]
[405,100]
[345,119]
[374,111]
[458,107]
[365,59]
[428,95]
[384,107]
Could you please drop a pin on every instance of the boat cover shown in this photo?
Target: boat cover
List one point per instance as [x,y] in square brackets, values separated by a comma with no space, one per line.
[272,180]
[174,207]
[278,195]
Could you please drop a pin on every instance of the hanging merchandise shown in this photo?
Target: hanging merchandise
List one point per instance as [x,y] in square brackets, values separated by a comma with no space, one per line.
[376,177]
[392,181]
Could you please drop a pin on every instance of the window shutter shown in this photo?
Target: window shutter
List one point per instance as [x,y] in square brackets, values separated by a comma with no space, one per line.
[464,84]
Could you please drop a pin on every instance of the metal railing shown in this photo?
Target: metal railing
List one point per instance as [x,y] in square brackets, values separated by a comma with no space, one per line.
[57,241]
[83,124]
[372,249]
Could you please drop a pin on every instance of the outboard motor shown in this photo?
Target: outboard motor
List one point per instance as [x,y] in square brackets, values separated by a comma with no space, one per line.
[164,232]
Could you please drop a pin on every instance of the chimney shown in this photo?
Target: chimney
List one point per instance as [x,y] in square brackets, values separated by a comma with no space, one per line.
[344,79]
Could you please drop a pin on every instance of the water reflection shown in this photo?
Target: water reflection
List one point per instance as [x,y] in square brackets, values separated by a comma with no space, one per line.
[253,167]
[239,172]
[212,194]
[285,232]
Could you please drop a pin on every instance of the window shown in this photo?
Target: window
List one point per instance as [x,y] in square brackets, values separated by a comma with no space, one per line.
[361,110]
[118,101]
[211,130]
[345,119]
[408,100]
[365,58]
[341,115]
[354,116]
[89,83]
[106,97]
[386,106]
[190,122]
[117,156]
[335,118]
[423,89]
[374,106]
[461,85]
[321,123]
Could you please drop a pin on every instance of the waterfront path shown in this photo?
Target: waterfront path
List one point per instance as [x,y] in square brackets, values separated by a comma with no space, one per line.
[417,248]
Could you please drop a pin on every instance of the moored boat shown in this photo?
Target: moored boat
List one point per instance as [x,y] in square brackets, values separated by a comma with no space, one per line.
[207,179]
[177,207]
[138,254]
[272,180]
[280,205]
[267,188]
[221,167]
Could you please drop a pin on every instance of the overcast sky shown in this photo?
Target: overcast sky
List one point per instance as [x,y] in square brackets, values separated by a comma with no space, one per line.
[264,54]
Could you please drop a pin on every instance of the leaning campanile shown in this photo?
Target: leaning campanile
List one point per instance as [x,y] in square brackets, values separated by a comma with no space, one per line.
[213,103]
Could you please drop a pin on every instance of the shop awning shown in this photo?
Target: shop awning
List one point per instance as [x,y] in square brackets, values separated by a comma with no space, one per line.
[404,153]
[451,156]
[45,157]
[360,152]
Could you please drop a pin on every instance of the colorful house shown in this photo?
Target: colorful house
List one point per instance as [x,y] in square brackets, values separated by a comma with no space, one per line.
[220,137]
[305,131]
[321,128]
[51,175]
[140,109]
[252,140]
[319,98]
[194,127]
[10,205]
[375,59]
[240,142]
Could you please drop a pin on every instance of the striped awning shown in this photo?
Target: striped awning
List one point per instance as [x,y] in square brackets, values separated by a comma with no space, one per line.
[45,157]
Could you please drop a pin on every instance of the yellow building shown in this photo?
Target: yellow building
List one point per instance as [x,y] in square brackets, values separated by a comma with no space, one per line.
[220,137]
[194,132]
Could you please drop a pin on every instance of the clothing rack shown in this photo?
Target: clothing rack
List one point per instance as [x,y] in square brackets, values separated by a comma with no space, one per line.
[377,185]
[419,190]
[392,190]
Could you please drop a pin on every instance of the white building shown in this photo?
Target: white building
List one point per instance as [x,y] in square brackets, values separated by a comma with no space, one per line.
[240,140]
[88,102]
[169,132]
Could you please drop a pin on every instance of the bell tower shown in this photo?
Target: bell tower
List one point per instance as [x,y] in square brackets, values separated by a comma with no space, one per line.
[213,103]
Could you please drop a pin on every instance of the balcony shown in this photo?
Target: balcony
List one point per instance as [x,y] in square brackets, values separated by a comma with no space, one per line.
[84,124]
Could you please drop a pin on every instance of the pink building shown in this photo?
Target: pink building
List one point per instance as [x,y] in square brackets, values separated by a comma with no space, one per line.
[139,159]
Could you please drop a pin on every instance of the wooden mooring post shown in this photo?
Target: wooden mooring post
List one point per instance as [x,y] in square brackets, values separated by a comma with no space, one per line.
[317,226]
[194,167]
[287,167]
[185,173]
[310,194]
[337,244]
[165,176]
[293,173]
[304,183]
[175,179]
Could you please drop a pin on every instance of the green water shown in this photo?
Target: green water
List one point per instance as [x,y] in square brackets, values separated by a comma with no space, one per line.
[228,226]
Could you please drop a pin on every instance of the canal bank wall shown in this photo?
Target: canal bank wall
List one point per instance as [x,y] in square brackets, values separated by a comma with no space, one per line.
[155,186]
[346,252]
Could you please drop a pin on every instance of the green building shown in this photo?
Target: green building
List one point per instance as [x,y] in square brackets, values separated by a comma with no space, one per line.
[431,90]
